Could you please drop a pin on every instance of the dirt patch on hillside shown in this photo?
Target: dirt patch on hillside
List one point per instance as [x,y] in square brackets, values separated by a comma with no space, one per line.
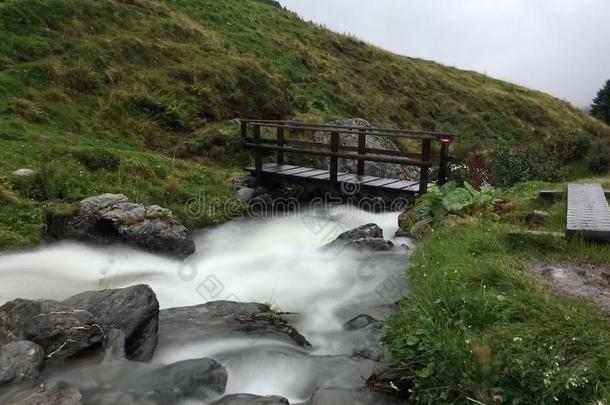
[584,280]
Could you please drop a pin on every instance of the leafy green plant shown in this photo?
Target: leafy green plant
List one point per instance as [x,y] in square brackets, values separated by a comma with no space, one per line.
[433,208]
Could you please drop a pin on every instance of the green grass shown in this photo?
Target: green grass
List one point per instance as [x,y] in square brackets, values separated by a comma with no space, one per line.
[147,73]
[158,82]
[478,325]
[66,174]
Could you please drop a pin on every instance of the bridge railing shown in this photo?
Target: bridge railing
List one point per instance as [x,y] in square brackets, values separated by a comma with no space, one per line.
[251,133]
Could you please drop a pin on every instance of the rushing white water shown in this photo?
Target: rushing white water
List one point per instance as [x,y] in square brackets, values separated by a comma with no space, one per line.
[274,260]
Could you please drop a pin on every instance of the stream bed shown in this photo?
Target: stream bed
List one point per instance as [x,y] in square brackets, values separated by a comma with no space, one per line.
[277,261]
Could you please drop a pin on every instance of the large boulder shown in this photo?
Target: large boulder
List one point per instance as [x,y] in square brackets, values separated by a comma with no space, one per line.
[373,142]
[249,399]
[112,218]
[369,237]
[219,319]
[133,310]
[19,361]
[61,330]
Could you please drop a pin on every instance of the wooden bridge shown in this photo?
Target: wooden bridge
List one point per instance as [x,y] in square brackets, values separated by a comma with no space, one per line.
[254,131]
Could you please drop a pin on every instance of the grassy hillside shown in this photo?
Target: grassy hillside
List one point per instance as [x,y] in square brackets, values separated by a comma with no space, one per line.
[157,83]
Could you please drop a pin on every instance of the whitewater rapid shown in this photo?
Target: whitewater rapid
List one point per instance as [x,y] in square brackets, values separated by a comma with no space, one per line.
[278,261]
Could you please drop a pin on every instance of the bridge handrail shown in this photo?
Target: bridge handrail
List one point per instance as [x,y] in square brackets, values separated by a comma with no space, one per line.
[346,129]
[380,131]
[362,155]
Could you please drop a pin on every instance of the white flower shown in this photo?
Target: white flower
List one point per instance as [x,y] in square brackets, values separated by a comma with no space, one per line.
[517,339]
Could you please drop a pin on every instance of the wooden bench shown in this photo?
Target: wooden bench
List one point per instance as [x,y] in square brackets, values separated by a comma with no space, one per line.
[588,213]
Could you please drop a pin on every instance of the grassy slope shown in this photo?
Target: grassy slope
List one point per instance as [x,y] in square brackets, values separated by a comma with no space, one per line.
[477,325]
[157,83]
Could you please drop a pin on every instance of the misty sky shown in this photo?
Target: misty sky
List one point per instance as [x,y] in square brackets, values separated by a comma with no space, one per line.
[558,46]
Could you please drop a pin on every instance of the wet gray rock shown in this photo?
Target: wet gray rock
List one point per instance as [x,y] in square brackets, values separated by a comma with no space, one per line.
[363,321]
[536,217]
[52,393]
[61,330]
[136,383]
[390,382]
[369,236]
[374,142]
[245,194]
[374,244]
[339,396]
[114,345]
[133,310]
[403,233]
[362,232]
[248,399]
[112,218]
[222,319]
[19,361]
[201,379]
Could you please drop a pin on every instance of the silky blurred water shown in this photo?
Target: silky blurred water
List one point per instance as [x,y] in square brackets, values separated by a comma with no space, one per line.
[274,260]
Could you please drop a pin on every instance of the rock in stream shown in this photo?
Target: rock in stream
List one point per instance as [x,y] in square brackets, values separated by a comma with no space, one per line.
[112,218]
[133,310]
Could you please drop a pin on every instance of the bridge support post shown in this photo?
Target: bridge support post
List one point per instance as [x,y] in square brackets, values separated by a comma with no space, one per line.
[444,162]
[280,143]
[258,156]
[361,151]
[334,161]
[425,170]
[244,130]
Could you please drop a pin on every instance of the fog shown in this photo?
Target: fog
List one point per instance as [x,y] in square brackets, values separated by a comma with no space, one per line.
[561,47]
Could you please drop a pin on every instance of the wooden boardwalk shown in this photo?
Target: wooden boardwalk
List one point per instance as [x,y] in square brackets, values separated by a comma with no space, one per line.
[588,213]
[253,132]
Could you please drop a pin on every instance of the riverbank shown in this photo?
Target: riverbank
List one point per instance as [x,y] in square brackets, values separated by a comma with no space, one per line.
[480,327]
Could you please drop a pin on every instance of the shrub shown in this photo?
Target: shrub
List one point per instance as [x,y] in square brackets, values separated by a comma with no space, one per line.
[510,164]
[599,159]
[98,158]
[569,146]
[433,208]
[168,112]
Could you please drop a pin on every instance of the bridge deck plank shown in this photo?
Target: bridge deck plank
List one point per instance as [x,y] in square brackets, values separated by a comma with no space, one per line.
[319,177]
